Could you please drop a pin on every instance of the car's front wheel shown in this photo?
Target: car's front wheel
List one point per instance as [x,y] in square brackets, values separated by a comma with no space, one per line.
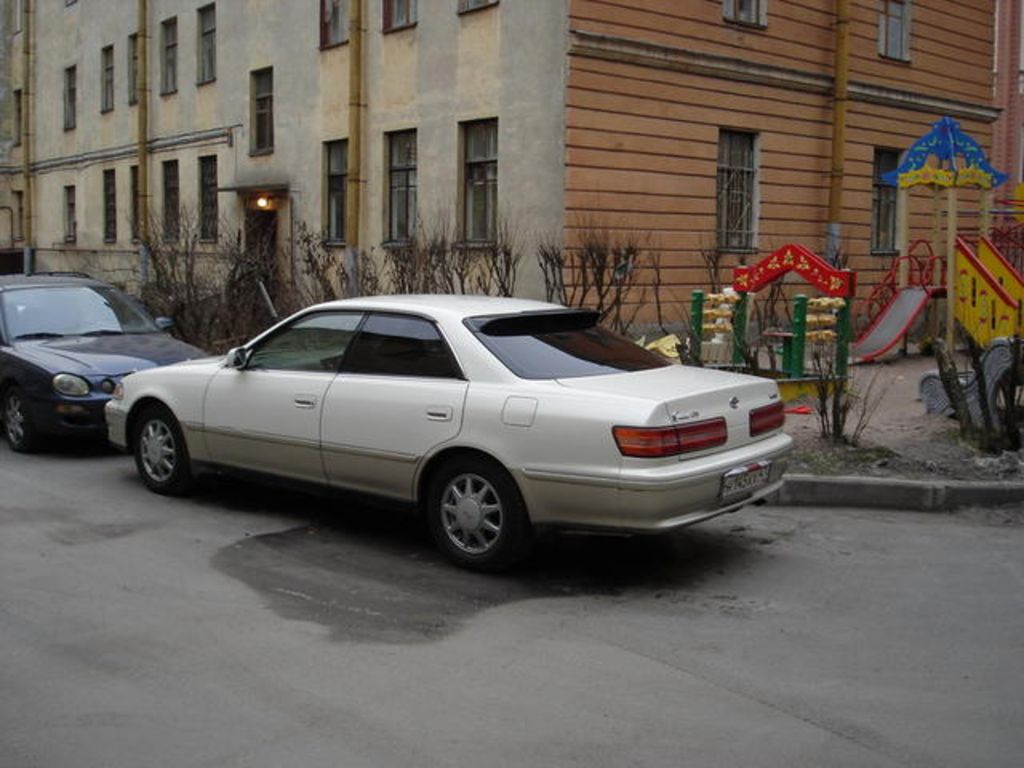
[476,514]
[19,429]
[161,455]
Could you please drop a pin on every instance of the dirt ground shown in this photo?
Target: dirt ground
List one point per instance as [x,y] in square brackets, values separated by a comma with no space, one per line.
[900,439]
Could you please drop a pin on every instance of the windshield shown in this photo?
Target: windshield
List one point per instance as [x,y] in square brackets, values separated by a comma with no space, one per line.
[72,310]
[561,345]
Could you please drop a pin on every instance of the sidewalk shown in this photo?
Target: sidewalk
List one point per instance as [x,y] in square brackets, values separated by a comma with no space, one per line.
[905,459]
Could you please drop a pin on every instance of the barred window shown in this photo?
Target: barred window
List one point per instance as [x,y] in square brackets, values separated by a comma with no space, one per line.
[109,206]
[172,201]
[736,191]
[209,214]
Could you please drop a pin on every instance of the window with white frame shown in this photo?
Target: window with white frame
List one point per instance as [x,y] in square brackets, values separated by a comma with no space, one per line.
[736,191]
[401,186]
[262,94]
[480,149]
[336,162]
[70,97]
[746,11]
[107,78]
[133,68]
[333,22]
[883,202]
[169,56]
[894,29]
[398,14]
[206,55]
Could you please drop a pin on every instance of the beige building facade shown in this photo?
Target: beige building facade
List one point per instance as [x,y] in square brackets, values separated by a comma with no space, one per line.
[247,116]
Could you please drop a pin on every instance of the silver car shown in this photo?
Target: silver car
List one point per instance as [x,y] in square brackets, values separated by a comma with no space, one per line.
[492,416]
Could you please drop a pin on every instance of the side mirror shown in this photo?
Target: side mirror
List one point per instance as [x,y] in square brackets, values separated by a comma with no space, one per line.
[237,357]
[164,323]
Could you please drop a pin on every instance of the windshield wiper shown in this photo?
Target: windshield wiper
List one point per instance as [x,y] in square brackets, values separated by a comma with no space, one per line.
[103,332]
[39,335]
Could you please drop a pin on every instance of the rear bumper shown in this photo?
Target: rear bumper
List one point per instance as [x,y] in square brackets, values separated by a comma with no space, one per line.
[650,500]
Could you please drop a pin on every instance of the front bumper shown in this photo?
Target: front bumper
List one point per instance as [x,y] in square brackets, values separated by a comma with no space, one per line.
[70,417]
[117,424]
[650,499]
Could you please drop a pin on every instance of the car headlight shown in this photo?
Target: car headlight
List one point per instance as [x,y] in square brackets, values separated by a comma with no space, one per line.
[69,384]
[118,393]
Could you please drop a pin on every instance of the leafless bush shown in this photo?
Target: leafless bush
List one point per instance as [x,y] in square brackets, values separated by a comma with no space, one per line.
[837,399]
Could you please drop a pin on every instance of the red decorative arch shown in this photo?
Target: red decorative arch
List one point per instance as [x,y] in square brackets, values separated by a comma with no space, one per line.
[795,258]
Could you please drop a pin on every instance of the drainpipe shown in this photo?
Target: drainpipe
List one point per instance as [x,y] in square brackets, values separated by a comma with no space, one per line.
[28,251]
[840,104]
[354,187]
[142,137]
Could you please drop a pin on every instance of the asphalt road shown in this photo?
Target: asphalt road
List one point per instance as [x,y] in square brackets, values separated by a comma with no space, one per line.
[252,627]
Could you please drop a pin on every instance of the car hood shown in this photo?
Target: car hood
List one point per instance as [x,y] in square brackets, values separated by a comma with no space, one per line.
[106,355]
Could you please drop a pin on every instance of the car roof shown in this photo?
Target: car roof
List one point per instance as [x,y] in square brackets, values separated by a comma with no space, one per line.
[449,306]
[46,280]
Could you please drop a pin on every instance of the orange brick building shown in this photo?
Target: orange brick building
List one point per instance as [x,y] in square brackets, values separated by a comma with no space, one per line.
[709,124]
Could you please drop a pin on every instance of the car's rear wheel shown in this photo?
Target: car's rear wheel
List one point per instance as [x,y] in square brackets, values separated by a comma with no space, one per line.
[161,455]
[19,429]
[476,514]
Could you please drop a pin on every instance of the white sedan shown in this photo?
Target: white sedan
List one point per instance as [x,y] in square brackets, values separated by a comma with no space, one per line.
[492,416]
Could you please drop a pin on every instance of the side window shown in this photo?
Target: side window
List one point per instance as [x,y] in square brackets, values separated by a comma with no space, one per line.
[313,343]
[396,345]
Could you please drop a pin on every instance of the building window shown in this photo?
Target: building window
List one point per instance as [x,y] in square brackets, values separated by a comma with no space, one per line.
[399,13]
[469,5]
[401,185]
[133,69]
[894,29]
[206,65]
[17,231]
[209,214]
[262,87]
[333,22]
[70,220]
[16,117]
[746,11]
[480,142]
[70,97]
[883,203]
[336,155]
[107,79]
[169,57]
[109,206]
[736,191]
[172,201]
[134,213]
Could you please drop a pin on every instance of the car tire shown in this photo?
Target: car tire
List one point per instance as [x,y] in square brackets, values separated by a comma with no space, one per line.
[19,429]
[476,514]
[161,455]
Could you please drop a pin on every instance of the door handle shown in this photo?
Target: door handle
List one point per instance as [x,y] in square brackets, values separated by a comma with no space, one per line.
[305,401]
[439,413]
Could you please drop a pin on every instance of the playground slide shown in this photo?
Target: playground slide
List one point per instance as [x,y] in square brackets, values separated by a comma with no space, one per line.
[891,325]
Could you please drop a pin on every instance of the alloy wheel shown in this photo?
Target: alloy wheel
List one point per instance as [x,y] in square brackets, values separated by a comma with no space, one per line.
[14,419]
[471,513]
[158,451]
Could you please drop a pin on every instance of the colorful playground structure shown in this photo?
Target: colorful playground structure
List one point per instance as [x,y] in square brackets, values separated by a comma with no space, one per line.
[984,291]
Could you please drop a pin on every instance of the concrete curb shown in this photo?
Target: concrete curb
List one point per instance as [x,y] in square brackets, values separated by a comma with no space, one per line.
[895,493]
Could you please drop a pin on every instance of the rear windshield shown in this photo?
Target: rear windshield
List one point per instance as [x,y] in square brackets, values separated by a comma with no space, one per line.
[560,345]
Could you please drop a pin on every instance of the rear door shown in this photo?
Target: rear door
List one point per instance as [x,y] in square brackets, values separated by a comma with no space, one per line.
[266,416]
[399,395]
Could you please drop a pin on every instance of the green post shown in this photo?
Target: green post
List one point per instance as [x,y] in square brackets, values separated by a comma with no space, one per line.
[696,327]
[795,366]
[739,330]
[843,333]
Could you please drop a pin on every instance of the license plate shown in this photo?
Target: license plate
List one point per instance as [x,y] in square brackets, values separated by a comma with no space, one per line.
[743,481]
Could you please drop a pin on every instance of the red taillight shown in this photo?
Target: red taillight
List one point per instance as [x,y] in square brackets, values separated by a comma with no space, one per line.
[767,418]
[653,442]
